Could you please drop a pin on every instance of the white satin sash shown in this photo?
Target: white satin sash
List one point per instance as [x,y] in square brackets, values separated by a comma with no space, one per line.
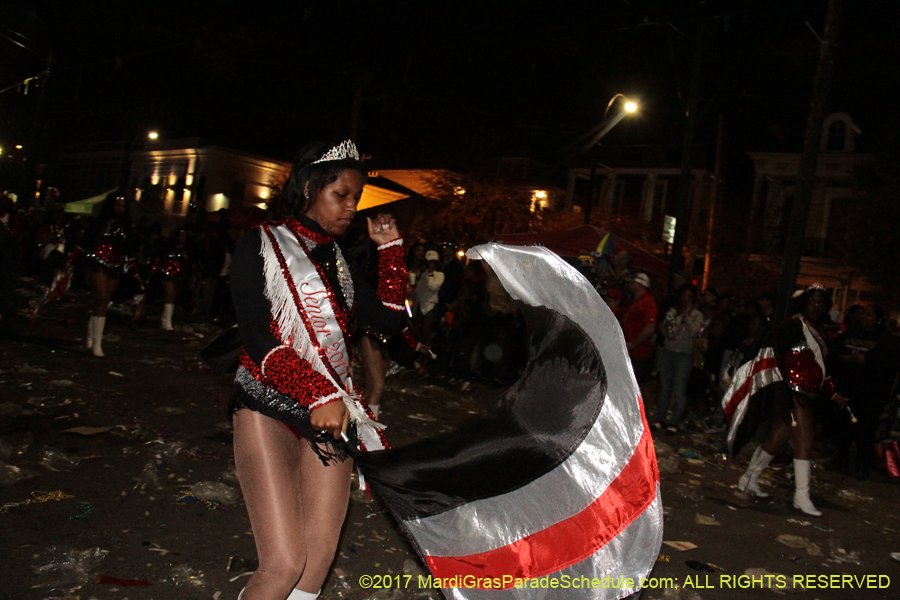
[302,309]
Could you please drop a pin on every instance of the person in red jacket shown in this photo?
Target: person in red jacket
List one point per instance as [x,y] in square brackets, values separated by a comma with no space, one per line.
[639,327]
[293,401]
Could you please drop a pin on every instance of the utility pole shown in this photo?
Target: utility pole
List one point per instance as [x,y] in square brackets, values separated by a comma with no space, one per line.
[589,205]
[684,181]
[808,161]
[717,176]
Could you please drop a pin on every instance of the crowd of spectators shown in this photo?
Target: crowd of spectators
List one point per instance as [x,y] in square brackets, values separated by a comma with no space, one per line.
[684,345]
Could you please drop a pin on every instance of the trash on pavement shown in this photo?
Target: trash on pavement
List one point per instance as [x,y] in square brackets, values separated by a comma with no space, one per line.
[422,417]
[341,579]
[85,509]
[40,497]
[699,566]
[853,496]
[87,430]
[168,450]
[213,491]
[108,580]
[412,567]
[66,566]
[10,474]
[237,563]
[799,542]
[667,464]
[704,520]
[157,548]
[681,546]
[183,575]
[53,459]
[149,478]
[839,555]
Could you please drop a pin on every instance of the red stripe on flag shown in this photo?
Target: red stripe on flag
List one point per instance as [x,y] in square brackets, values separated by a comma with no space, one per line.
[570,541]
[741,392]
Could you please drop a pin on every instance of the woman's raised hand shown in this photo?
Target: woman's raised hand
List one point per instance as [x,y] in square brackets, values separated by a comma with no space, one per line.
[383,229]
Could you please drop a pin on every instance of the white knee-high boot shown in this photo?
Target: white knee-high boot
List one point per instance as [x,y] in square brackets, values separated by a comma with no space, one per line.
[802,470]
[166,320]
[98,323]
[749,481]
[89,336]
[294,595]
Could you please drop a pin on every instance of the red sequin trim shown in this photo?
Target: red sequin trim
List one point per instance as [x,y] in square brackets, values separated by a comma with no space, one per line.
[293,377]
[298,229]
[172,267]
[392,277]
[802,371]
[409,338]
[107,255]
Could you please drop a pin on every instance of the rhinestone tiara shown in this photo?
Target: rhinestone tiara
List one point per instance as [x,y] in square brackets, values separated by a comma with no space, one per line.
[340,152]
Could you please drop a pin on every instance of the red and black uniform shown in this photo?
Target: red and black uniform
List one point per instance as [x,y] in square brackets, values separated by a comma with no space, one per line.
[110,246]
[785,368]
[176,263]
[801,348]
[273,378]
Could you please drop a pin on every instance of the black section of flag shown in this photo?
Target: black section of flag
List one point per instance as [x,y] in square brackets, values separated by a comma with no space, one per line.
[542,419]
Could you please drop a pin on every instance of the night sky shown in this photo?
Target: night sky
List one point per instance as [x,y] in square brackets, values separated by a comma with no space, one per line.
[445,85]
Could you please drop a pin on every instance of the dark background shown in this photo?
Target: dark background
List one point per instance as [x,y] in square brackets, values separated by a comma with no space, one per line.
[443,85]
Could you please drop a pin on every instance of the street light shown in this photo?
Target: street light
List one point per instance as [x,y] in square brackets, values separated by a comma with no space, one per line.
[608,122]
[628,107]
[125,169]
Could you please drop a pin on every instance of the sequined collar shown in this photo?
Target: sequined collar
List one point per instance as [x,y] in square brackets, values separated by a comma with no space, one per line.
[309,229]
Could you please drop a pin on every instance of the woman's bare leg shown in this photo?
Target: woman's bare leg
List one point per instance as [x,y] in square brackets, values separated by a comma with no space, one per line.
[325,492]
[171,288]
[780,434]
[267,462]
[803,432]
[102,287]
[296,506]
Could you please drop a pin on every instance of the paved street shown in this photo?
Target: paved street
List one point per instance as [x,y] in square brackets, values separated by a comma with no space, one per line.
[118,483]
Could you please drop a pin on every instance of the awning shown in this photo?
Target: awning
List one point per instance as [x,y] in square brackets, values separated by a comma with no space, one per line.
[374,195]
[88,205]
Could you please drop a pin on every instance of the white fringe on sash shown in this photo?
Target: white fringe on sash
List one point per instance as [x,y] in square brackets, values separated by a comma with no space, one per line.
[290,323]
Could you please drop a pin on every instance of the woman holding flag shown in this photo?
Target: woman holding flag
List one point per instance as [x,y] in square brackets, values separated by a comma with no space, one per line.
[795,368]
[293,400]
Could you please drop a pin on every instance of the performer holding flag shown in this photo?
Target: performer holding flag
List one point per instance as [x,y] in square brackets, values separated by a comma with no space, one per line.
[782,380]
[294,294]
